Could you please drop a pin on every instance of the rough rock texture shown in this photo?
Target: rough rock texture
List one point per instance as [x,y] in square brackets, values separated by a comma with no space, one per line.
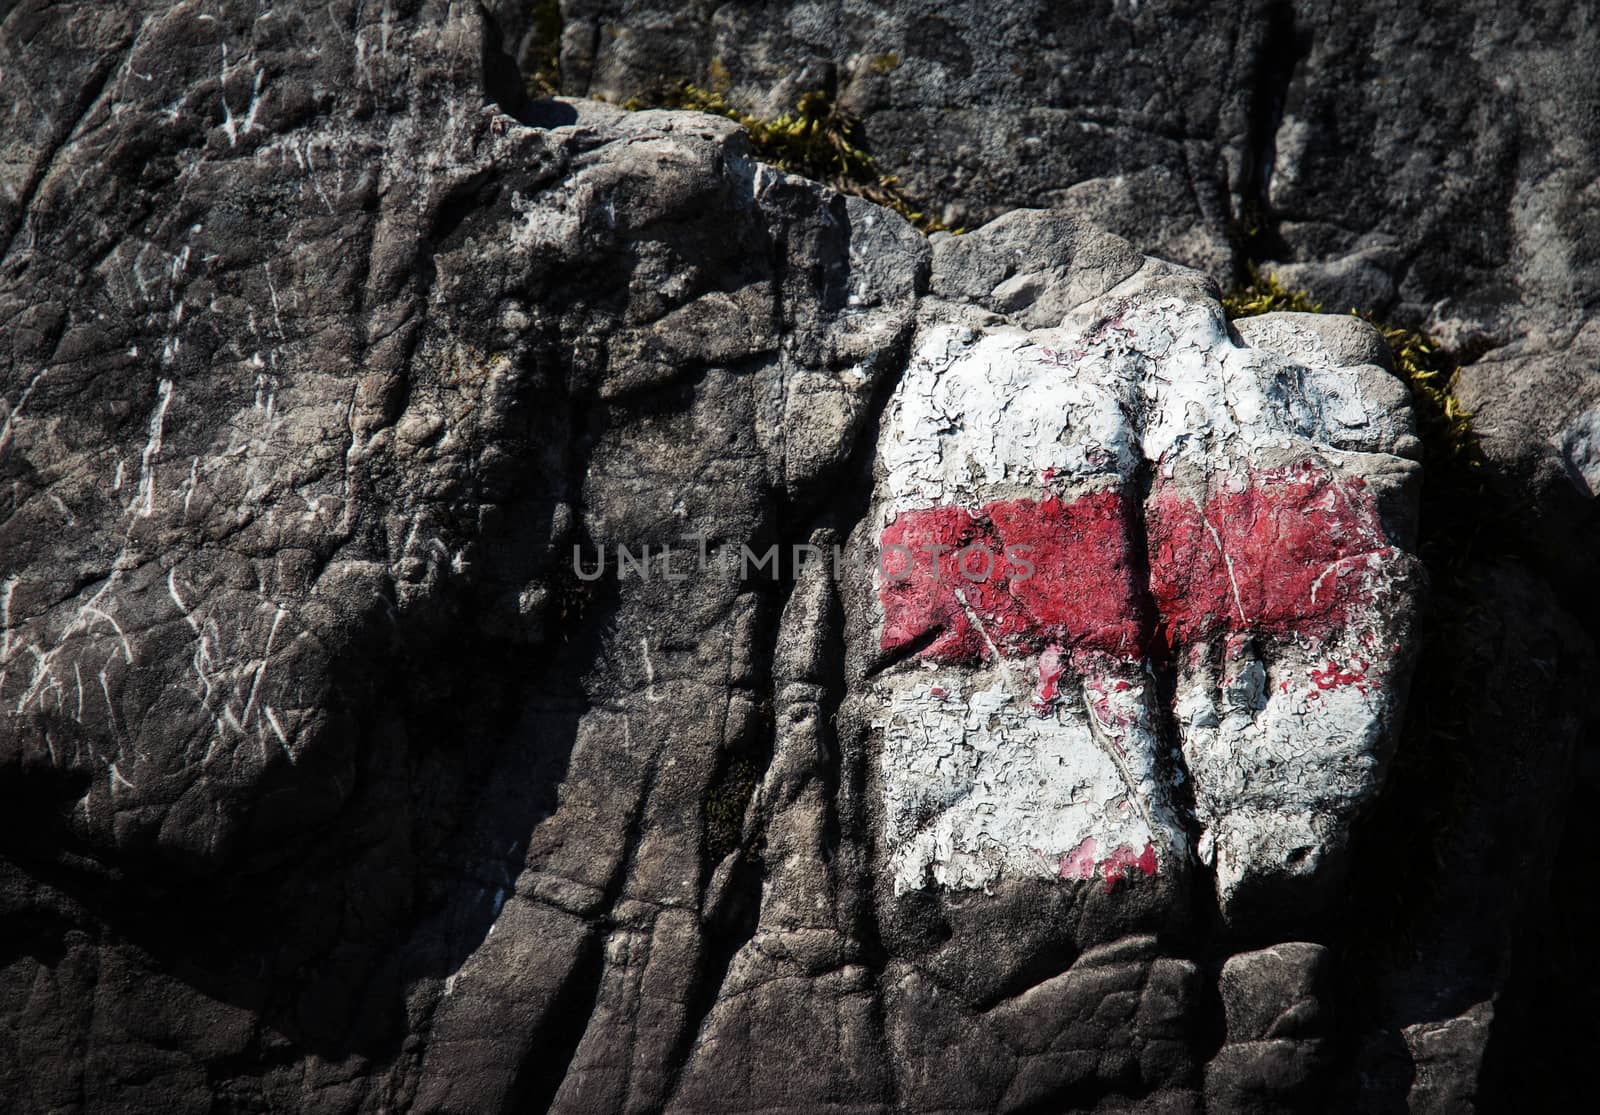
[1059,507]
[1433,164]
[391,714]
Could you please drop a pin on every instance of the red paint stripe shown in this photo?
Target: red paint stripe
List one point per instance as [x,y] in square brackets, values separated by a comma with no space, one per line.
[1030,572]
[1286,553]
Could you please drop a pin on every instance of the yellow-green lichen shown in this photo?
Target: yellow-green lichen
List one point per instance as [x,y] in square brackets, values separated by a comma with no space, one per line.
[815,138]
[545,78]
[725,807]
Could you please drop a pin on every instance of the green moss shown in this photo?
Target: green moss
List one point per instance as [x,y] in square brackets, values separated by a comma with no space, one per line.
[1451,459]
[884,63]
[815,138]
[1264,294]
[545,80]
[725,807]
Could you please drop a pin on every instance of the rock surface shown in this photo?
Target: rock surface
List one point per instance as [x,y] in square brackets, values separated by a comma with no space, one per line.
[1058,508]
[396,711]
[1434,166]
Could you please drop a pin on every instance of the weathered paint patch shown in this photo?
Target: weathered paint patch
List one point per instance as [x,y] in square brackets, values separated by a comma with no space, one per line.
[1079,863]
[1275,585]
[1122,862]
[1333,675]
[1013,424]
[979,786]
[1012,576]
[1086,590]
[1050,670]
[924,590]
[1287,552]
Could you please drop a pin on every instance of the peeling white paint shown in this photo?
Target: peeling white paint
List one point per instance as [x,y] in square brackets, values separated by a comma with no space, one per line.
[1281,746]
[981,786]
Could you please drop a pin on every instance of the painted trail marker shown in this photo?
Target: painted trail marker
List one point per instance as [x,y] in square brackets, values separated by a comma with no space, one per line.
[1068,516]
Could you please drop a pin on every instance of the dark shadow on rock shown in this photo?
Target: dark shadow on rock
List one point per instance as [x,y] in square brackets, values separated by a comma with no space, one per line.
[502,79]
[459,767]
[549,113]
[503,84]
[1384,1072]
[1452,866]
[1545,1020]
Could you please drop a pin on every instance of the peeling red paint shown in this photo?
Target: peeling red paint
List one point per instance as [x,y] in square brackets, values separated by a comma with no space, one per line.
[1332,677]
[1050,671]
[1286,554]
[1100,703]
[1057,571]
[1079,863]
[923,597]
[1085,591]
[1121,863]
[1124,859]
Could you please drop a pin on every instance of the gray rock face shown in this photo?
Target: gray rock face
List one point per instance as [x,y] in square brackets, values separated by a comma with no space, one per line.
[1436,167]
[1348,140]
[1275,1005]
[394,713]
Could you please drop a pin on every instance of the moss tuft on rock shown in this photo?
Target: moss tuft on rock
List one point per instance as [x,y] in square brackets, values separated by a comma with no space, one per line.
[815,138]
[1264,294]
[725,807]
[545,78]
